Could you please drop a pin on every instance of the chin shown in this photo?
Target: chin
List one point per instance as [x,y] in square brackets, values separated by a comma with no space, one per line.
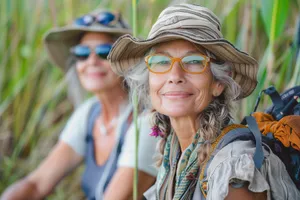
[96,86]
[94,90]
[175,112]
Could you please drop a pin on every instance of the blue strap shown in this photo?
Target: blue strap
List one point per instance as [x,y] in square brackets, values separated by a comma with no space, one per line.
[275,97]
[243,134]
[259,154]
[297,109]
[94,112]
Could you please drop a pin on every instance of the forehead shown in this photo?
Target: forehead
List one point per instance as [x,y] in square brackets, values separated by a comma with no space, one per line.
[91,38]
[178,46]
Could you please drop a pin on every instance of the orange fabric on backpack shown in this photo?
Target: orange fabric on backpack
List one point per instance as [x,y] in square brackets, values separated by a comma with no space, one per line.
[286,130]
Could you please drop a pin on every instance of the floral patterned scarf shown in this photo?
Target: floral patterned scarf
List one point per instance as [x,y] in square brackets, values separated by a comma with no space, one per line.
[178,173]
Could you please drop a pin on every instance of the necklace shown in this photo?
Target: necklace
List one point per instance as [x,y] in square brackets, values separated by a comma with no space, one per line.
[104,130]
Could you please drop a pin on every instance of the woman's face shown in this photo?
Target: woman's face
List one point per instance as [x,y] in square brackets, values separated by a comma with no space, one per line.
[178,93]
[95,73]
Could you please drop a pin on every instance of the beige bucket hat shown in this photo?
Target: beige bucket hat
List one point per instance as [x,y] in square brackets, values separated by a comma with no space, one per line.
[196,24]
[58,41]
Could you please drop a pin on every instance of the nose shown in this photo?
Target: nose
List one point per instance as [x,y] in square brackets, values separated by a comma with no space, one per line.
[176,74]
[92,59]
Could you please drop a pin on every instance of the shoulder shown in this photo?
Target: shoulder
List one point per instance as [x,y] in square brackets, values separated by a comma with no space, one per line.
[146,146]
[234,162]
[144,127]
[232,154]
[236,148]
[75,131]
[126,112]
[87,105]
[82,112]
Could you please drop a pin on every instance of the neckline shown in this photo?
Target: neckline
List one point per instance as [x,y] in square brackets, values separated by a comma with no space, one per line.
[125,110]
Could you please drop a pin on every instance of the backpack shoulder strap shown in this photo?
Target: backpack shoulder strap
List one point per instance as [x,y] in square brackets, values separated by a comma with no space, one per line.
[258,156]
[92,115]
[218,143]
[230,134]
[275,97]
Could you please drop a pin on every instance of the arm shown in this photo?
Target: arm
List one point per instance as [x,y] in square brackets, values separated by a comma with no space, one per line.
[64,157]
[38,184]
[122,182]
[237,193]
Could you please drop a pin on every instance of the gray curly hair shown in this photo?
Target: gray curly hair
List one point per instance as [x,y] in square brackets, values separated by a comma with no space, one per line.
[212,120]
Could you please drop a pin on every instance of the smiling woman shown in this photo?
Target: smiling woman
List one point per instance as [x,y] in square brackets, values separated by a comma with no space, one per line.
[191,77]
[96,133]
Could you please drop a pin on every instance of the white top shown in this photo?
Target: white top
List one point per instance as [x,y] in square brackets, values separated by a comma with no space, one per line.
[146,148]
[74,134]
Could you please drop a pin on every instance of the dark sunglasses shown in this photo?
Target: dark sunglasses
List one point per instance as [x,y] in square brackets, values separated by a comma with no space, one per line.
[82,52]
[103,18]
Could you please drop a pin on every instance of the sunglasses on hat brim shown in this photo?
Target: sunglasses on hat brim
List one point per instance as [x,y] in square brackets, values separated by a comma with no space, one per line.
[104,18]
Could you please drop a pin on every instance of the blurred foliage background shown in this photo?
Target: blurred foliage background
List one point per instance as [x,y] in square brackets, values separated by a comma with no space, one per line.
[34,102]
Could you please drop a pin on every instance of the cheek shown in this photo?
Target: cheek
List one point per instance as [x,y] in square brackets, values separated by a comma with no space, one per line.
[156,83]
[112,74]
[79,69]
[106,66]
[104,63]
[204,87]
[203,99]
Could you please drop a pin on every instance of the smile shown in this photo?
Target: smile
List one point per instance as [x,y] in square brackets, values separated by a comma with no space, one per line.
[177,95]
[97,74]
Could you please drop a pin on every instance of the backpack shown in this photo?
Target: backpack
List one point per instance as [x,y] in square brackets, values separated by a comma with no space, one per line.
[283,105]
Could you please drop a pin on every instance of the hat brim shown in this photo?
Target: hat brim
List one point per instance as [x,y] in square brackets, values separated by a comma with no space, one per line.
[58,41]
[129,51]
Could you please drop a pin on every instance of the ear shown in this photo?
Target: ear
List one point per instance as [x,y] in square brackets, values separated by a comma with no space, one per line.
[218,88]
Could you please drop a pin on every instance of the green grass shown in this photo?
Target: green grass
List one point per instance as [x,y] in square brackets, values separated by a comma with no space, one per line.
[34,104]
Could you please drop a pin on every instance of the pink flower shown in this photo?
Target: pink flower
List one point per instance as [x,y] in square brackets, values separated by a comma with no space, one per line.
[155,131]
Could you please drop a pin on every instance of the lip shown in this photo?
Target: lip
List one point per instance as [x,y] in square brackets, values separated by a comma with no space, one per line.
[96,74]
[177,94]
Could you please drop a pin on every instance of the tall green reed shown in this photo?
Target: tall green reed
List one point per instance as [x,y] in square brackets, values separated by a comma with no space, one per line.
[135,111]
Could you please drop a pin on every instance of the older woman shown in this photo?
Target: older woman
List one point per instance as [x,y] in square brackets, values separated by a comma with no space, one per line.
[191,75]
[97,130]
